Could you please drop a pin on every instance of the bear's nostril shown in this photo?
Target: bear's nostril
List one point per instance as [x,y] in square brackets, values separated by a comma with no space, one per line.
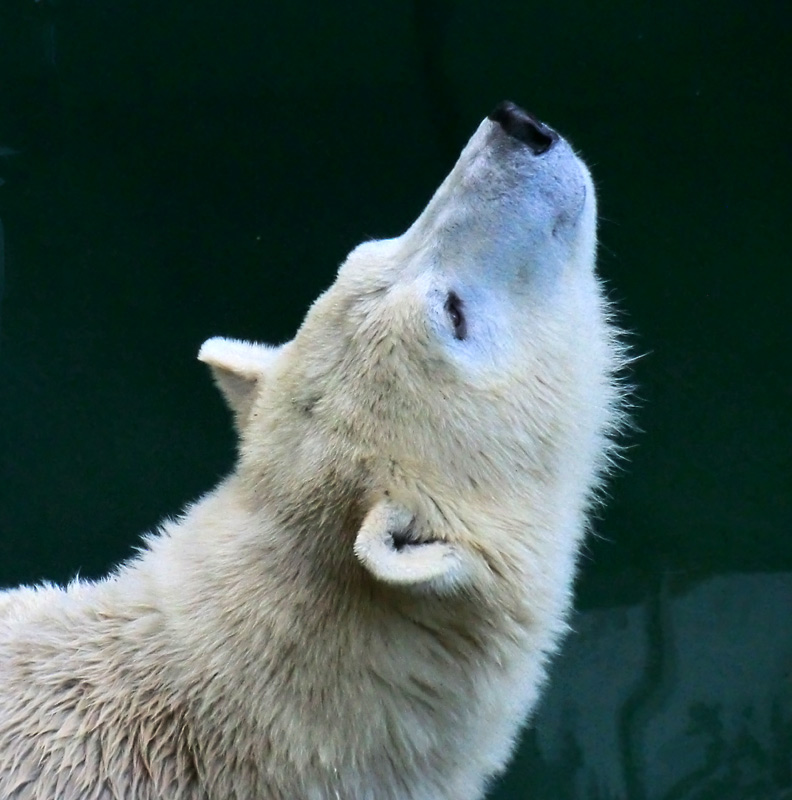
[524,127]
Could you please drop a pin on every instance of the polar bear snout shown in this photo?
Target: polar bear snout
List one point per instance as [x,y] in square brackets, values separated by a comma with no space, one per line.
[524,127]
[517,211]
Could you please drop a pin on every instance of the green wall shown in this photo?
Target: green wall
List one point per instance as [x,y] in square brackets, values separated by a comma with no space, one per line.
[192,169]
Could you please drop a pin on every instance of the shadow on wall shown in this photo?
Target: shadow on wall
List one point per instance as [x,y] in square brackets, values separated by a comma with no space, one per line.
[685,697]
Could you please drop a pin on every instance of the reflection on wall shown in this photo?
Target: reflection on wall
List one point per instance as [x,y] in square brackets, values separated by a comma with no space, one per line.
[685,697]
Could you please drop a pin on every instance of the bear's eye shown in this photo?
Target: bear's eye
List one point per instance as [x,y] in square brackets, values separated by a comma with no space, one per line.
[453,307]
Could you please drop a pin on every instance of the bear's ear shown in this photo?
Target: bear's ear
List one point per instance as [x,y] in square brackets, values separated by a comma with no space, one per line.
[238,368]
[391,548]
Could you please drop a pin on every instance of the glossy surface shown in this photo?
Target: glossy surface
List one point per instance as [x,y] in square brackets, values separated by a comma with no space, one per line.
[185,171]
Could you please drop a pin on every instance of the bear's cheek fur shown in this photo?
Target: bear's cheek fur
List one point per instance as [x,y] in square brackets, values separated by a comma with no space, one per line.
[331,461]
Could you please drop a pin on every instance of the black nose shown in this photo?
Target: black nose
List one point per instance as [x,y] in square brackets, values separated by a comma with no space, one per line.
[524,127]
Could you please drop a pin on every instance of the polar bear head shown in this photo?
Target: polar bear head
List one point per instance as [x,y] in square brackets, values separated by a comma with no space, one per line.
[445,410]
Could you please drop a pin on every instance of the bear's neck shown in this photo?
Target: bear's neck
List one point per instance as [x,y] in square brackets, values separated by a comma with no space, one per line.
[259,615]
[230,554]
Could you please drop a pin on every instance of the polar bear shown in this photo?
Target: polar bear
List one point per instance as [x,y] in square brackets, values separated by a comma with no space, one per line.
[365,608]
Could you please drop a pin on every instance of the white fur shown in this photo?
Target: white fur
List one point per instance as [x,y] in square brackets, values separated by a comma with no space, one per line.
[364,609]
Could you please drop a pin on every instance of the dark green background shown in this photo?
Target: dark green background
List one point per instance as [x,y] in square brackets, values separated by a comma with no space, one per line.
[198,168]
